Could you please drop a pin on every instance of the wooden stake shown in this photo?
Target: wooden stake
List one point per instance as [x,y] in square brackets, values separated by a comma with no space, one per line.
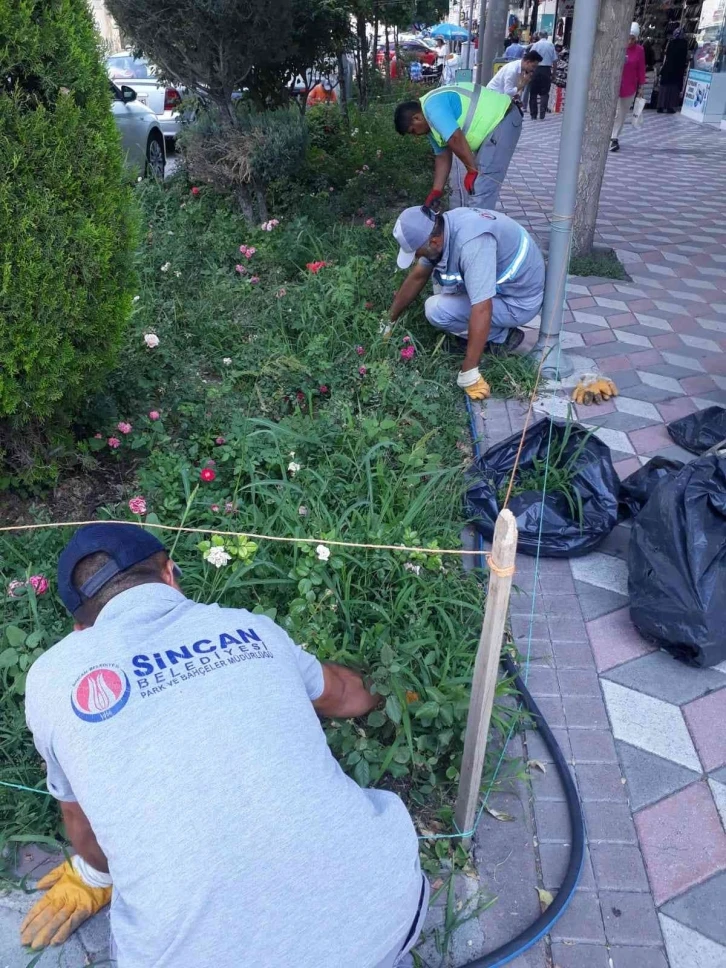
[504,550]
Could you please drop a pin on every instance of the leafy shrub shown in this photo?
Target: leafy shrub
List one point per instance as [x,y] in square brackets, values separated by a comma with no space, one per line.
[244,157]
[65,214]
[326,126]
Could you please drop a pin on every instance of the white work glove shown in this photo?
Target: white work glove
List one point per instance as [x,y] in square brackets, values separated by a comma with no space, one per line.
[473,384]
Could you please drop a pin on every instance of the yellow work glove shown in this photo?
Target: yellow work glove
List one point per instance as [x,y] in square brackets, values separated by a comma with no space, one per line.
[473,384]
[69,902]
[593,389]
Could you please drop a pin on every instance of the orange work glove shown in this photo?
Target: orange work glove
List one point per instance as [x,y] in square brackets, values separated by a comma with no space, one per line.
[70,900]
[473,384]
[593,389]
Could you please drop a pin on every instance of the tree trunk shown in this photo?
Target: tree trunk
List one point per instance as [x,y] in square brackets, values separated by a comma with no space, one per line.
[261,202]
[387,61]
[607,65]
[343,89]
[244,200]
[363,85]
[374,51]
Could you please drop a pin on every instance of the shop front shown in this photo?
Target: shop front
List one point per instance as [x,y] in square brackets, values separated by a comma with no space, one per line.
[705,95]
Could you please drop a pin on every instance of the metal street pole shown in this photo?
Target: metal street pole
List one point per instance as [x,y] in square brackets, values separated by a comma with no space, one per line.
[469,46]
[482,20]
[493,40]
[568,166]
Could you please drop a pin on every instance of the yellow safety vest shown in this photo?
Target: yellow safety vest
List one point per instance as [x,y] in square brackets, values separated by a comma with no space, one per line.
[481,111]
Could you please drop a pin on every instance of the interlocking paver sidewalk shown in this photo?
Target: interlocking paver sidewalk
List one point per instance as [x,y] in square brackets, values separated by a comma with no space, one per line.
[647,745]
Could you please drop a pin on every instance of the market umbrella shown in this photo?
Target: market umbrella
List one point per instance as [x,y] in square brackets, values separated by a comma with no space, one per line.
[449,32]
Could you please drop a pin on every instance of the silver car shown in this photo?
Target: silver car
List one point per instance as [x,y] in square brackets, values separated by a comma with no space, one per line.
[139,74]
[142,139]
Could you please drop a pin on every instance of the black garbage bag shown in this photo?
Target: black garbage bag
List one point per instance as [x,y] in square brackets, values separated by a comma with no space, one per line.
[636,489]
[699,431]
[677,563]
[563,535]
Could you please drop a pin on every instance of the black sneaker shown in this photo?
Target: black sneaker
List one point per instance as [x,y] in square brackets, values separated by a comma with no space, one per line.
[456,345]
[614,144]
[514,338]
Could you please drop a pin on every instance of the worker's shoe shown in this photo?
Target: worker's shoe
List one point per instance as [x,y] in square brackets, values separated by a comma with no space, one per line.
[514,338]
[456,345]
[614,144]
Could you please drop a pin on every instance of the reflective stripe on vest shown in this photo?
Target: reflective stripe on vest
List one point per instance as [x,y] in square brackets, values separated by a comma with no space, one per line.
[448,280]
[470,95]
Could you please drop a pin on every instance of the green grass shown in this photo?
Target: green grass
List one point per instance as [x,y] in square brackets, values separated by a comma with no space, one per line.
[600,263]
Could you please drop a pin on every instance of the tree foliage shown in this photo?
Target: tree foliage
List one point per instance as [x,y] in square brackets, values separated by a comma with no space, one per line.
[66,229]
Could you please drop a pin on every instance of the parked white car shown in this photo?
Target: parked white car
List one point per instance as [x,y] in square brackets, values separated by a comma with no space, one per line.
[142,139]
[139,74]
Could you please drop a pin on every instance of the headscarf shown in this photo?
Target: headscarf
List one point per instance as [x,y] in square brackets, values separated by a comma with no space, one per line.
[635,30]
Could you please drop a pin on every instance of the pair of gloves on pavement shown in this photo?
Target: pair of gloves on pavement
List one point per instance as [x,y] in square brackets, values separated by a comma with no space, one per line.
[75,892]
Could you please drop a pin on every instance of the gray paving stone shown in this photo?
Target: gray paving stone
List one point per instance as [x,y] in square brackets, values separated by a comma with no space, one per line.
[572,655]
[553,822]
[534,957]
[651,394]
[616,543]
[659,674]
[580,956]
[719,775]
[609,821]
[600,781]
[618,867]
[568,628]
[622,421]
[557,583]
[537,748]
[13,908]
[674,452]
[95,935]
[554,859]
[630,918]
[596,602]
[593,746]
[548,785]
[626,957]
[560,605]
[585,712]
[551,709]
[542,681]
[582,921]
[579,682]
[650,777]
[702,908]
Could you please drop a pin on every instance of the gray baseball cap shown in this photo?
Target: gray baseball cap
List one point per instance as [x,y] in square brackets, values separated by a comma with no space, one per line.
[413,227]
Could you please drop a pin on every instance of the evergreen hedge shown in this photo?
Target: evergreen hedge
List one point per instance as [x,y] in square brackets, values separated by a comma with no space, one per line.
[66,222]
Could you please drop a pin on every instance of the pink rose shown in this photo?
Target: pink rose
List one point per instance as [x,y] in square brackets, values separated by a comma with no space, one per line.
[137,505]
[280,293]
[124,427]
[13,587]
[154,414]
[406,339]
[219,441]
[362,370]
[360,350]
[408,352]
[254,280]
[114,442]
[98,436]
[214,507]
[370,223]
[39,583]
[195,190]
[241,269]
[229,508]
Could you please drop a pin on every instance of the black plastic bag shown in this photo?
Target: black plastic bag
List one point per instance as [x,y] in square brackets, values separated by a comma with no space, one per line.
[699,431]
[562,533]
[636,489]
[677,564]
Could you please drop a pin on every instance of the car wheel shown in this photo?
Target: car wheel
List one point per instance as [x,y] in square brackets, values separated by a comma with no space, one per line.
[155,160]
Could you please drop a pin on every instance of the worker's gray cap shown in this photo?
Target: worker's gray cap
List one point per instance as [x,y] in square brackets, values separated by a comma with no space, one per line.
[413,227]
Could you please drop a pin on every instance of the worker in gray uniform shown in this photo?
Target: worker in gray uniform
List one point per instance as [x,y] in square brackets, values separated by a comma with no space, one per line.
[488,279]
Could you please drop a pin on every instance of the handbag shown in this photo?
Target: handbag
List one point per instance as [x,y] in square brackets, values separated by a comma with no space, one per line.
[638,108]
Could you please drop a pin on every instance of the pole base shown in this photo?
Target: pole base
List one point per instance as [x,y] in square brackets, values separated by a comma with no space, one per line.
[556,363]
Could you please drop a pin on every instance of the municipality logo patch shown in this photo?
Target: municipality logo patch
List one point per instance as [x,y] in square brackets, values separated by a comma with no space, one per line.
[100,693]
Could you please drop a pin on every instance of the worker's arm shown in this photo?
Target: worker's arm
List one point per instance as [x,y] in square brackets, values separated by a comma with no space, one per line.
[460,146]
[412,286]
[344,693]
[480,321]
[82,837]
[442,168]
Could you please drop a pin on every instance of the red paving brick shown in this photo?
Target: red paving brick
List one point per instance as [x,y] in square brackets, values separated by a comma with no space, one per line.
[614,640]
[706,718]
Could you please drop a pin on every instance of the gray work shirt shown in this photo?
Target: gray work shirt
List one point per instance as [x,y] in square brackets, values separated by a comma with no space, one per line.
[187,735]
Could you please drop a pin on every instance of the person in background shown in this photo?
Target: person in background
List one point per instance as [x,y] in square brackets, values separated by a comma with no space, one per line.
[473,132]
[451,65]
[322,93]
[514,49]
[512,78]
[442,50]
[675,64]
[489,275]
[539,88]
[632,82]
[295,869]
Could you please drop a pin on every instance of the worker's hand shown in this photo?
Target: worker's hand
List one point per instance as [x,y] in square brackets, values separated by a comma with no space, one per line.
[473,384]
[69,902]
[470,180]
[593,389]
[386,326]
[433,199]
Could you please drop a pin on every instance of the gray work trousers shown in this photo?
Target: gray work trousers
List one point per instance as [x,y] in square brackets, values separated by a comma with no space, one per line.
[401,957]
[451,314]
[492,160]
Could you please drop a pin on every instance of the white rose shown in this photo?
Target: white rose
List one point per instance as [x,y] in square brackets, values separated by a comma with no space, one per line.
[227,361]
[151,340]
[217,556]
[323,552]
[166,267]
[293,467]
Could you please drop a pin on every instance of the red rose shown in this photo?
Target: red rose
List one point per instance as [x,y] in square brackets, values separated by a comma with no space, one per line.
[207,474]
[195,190]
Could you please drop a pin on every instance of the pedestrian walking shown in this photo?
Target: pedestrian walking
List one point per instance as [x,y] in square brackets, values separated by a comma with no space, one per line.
[196,784]
[512,78]
[632,81]
[473,132]
[539,87]
[672,72]
[489,274]
[515,48]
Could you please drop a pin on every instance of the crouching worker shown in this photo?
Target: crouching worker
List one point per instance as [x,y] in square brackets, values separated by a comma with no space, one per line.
[489,275]
[196,784]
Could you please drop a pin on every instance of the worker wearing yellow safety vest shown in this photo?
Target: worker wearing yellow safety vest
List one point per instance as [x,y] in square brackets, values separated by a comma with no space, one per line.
[473,132]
